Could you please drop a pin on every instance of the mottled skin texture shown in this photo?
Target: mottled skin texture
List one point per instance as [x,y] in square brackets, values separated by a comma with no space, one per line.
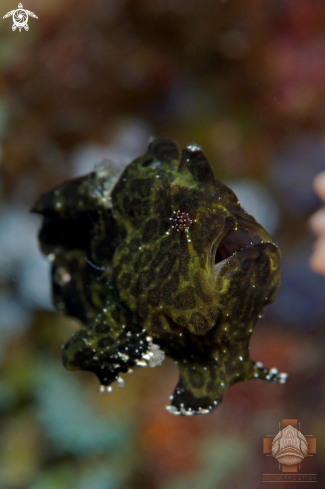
[124,269]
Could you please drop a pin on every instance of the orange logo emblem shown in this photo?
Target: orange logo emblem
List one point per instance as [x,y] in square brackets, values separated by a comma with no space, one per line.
[289,447]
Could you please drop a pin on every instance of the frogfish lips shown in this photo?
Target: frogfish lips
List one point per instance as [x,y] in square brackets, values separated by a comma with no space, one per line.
[235,240]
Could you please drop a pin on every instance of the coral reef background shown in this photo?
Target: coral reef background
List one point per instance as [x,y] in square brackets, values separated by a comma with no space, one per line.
[94,79]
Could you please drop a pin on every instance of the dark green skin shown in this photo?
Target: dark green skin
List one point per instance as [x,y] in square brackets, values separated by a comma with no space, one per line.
[134,279]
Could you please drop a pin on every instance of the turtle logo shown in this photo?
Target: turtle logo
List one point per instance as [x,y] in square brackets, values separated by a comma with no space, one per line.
[20,18]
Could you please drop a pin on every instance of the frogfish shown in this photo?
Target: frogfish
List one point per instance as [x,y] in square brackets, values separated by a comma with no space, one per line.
[161,260]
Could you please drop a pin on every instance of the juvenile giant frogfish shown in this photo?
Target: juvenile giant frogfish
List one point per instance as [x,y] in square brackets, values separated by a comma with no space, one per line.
[160,261]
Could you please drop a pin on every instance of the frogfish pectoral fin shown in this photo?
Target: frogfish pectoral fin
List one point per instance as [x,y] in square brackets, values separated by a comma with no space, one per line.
[200,390]
[105,351]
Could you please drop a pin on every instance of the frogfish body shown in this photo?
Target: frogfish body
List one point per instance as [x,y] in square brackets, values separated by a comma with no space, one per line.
[160,261]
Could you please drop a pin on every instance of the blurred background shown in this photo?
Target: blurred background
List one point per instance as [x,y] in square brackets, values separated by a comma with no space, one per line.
[94,79]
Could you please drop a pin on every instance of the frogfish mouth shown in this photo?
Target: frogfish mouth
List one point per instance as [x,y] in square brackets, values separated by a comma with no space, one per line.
[160,260]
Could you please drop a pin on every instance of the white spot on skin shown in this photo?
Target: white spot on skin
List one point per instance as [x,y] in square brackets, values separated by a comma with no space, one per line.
[189,413]
[123,356]
[205,411]
[171,409]
[283,377]
[62,276]
[141,363]
[193,148]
